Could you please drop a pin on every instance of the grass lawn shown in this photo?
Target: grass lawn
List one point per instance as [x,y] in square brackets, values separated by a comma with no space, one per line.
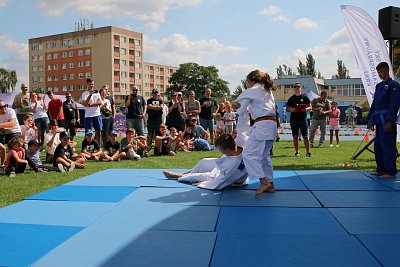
[15,189]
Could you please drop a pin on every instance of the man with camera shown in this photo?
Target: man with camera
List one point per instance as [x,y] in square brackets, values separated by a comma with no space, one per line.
[92,102]
[137,108]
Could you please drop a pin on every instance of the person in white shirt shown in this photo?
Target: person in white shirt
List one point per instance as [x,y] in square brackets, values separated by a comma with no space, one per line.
[29,131]
[92,102]
[259,101]
[52,140]
[229,118]
[39,109]
[217,173]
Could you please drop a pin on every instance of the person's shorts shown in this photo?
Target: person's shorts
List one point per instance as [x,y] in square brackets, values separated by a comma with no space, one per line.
[350,119]
[93,122]
[207,124]
[333,127]
[154,126]
[299,125]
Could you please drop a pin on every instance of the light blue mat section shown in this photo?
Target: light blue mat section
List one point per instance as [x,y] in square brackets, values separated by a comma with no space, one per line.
[384,247]
[368,220]
[233,250]
[278,199]
[358,199]
[85,193]
[307,221]
[23,244]
[130,177]
[63,213]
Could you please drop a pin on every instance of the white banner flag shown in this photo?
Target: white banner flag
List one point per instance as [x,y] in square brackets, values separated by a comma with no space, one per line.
[368,45]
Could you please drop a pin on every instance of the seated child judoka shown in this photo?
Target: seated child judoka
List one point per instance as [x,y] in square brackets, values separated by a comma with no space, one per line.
[217,173]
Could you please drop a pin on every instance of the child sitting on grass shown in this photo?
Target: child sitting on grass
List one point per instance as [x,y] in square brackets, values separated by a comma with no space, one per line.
[163,143]
[212,173]
[176,140]
[129,145]
[63,155]
[112,149]
[33,155]
[91,148]
[15,162]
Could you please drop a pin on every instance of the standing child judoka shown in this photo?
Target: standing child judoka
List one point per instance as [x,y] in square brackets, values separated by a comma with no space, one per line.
[216,173]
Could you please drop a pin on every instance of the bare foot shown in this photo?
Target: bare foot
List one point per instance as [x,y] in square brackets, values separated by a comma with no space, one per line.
[171,175]
[264,188]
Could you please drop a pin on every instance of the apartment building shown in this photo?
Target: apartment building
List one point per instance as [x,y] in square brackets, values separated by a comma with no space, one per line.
[109,55]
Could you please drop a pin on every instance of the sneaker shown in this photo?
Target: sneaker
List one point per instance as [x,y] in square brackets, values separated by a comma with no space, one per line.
[337,145]
[61,167]
[40,170]
[2,168]
[320,145]
[12,174]
[296,154]
[104,160]
[146,154]
[72,167]
[330,145]
[308,154]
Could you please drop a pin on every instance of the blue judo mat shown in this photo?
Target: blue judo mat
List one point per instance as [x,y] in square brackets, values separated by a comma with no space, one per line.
[125,217]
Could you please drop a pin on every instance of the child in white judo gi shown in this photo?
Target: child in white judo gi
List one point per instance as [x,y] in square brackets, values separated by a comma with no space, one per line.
[217,173]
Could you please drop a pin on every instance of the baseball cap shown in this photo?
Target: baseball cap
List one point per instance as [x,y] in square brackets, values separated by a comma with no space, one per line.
[154,91]
[64,135]
[89,132]
[114,133]
[34,142]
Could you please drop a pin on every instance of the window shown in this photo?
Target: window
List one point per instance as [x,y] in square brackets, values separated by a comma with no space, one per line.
[55,55]
[71,76]
[55,77]
[65,43]
[55,44]
[147,85]
[137,64]
[40,57]
[41,79]
[34,58]
[123,86]
[34,79]
[64,77]
[40,47]
[48,57]
[64,66]
[80,75]
[70,43]
[71,53]
[49,78]
[123,74]
[48,67]
[64,88]
[87,63]
[87,51]
[80,52]
[157,69]
[123,62]
[64,54]
[80,64]
[87,40]
[55,67]
[71,88]
[147,76]
[34,47]
[123,51]
[123,39]
[137,76]
[79,41]
[137,53]
[40,68]
[81,87]
[34,68]
[137,42]
[147,67]
[55,89]
[71,65]
[87,75]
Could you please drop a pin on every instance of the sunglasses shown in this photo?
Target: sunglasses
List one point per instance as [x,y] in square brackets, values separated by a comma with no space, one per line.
[193,120]
[297,86]
[174,95]
[4,106]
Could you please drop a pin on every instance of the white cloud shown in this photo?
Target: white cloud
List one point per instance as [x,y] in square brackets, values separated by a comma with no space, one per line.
[270,10]
[177,49]
[151,27]
[149,10]
[281,19]
[338,46]
[305,23]
[234,73]
[15,57]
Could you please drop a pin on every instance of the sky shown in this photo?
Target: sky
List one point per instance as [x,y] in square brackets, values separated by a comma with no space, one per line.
[236,36]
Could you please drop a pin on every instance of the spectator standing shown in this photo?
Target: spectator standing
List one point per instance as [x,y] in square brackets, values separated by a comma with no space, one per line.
[320,107]
[192,106]
[154,116]
[229,119]
[175,108]
[334,115]
[208,108]
[39,109]
[113,112]
[92,102]
[137,110]
[298,104]
[55,109]
[21,103]
[71,115]
[350,117]
[106,114]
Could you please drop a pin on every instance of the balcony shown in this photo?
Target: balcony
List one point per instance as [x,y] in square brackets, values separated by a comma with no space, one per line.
[116,78]
[132,80]
[116,42]
[116,54]
[152,80]
[116,66]
[131,68]
[131,45]
[116,89]
[162,73]
[132,57]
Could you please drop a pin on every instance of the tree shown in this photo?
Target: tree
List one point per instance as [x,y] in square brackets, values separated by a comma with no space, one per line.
[193,77]
[308,68]
[8,80]
[301,69]
[396,59]
[342,71]
[284,70]
[239,89]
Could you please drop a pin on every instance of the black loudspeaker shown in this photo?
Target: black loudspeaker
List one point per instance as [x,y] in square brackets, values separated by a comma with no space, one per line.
[389,22]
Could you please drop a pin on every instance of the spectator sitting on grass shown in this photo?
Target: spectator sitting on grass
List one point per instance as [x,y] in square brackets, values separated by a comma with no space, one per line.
[28,130]
[52,139]
[91,148]
[16,162]
[63,155]
[33,154]
[129,145]
[112,149]
[163,143]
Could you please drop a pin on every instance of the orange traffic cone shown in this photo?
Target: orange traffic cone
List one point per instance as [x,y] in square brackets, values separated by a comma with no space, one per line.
[367,137]
[356,132]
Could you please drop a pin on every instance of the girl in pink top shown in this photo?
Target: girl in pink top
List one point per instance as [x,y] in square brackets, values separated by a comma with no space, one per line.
[334,123]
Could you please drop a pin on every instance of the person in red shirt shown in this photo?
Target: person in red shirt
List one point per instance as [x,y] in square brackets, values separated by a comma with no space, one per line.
[55,109]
